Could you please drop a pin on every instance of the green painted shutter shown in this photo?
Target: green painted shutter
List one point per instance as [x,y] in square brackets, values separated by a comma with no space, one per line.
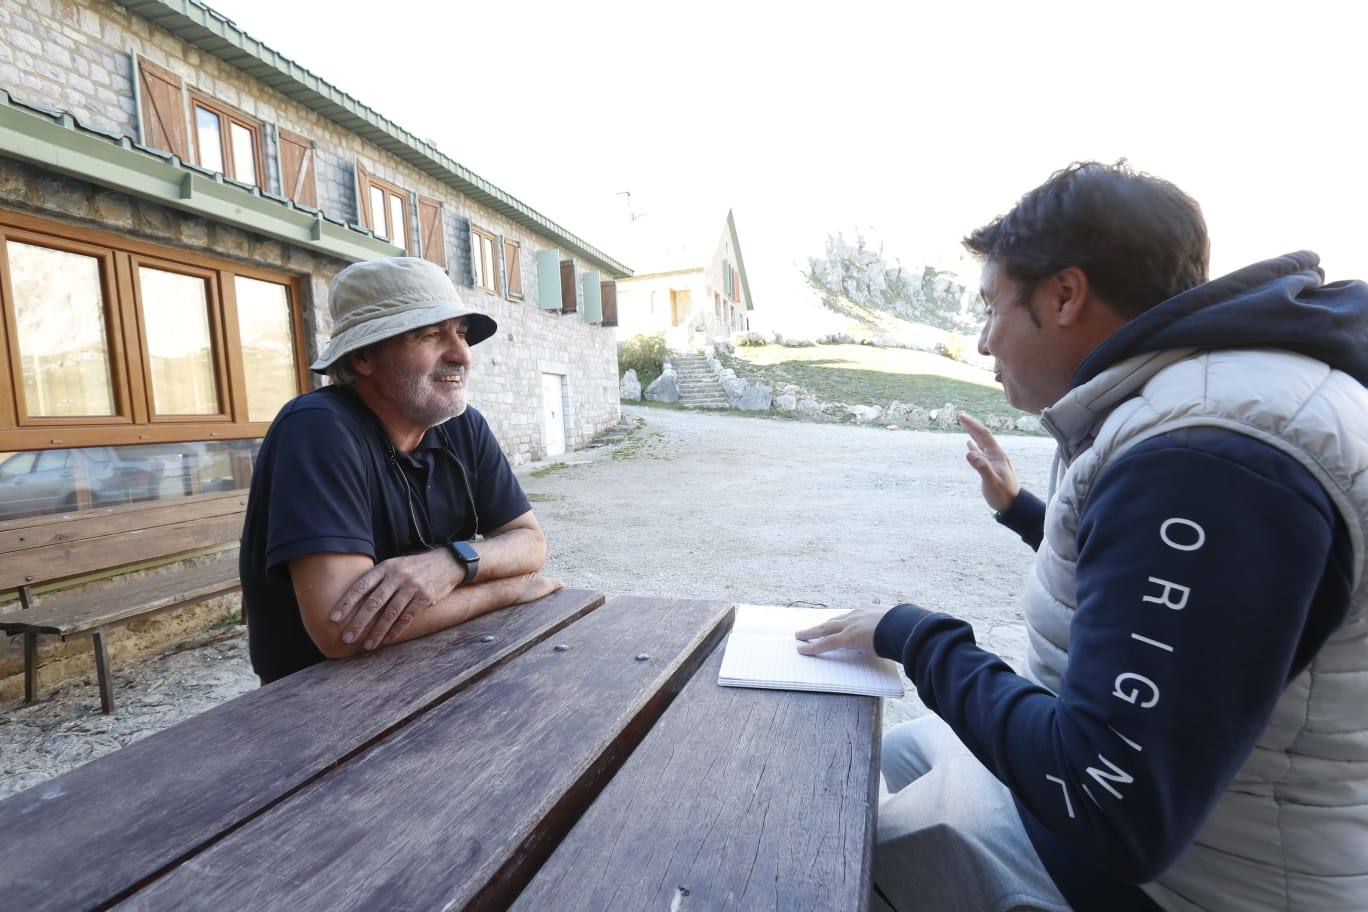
[548,279]
[592,312]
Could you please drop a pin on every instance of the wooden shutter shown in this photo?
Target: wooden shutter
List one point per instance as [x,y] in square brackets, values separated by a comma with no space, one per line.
[431,237]
[297,168]
[569,299]
[609,290]
[163,108]
[513,267]
[363,210]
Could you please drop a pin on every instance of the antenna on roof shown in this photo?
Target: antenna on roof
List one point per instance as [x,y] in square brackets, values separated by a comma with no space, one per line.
[631,216]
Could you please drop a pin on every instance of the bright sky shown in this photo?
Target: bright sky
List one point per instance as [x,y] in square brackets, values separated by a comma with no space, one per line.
[914,121]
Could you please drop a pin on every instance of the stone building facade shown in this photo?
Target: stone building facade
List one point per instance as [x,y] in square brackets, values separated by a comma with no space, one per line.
[153,139]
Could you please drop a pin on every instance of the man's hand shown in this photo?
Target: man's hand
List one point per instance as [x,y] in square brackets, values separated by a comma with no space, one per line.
[386,598]
[852,630]
[1000,485]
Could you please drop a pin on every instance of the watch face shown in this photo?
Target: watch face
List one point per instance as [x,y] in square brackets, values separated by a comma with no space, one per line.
[465,551]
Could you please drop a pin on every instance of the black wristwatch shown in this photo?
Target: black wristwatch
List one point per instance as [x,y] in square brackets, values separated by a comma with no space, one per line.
[468,556]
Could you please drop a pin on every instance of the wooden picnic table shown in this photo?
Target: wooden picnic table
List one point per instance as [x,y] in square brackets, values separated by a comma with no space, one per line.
[569,754]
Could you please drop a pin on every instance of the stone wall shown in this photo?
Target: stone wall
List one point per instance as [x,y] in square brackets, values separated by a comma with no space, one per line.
[505,382]
[77,55]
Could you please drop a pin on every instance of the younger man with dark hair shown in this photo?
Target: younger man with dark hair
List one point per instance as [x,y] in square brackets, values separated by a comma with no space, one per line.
[1191,728]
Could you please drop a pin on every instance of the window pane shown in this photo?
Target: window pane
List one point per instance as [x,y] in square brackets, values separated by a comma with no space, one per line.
[209,132]
[176,319]
[396,206]
[63,349]
[487,254]
[244,153]
[268,355]
[64,480]
[377,206]
[476,266]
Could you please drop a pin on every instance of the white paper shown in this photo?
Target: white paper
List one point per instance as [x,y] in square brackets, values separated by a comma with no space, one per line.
[763,652]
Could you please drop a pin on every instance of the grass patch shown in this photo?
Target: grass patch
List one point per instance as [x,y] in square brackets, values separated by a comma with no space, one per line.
[537,497]
[552,469]
[865,375]
[636,445]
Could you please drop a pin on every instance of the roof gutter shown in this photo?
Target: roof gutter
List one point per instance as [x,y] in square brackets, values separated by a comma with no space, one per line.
[211,32]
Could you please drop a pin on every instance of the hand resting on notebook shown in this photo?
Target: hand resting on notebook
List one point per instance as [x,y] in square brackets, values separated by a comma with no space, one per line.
[852,630]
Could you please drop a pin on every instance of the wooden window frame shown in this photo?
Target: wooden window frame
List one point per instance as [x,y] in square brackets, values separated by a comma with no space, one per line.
[228,117]
[388,189]
[489,271]
[135,421]
[506,272]
[216,339]
[115,338]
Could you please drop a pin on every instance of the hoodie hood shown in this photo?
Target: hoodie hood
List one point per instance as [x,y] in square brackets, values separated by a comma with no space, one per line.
[1280,303]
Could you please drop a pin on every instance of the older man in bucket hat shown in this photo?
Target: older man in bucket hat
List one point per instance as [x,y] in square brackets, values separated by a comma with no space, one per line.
[382,508]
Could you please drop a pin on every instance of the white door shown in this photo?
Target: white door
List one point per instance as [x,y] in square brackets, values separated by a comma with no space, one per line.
[553,415]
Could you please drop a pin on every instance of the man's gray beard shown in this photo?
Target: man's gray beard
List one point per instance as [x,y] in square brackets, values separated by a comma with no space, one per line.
[413,393]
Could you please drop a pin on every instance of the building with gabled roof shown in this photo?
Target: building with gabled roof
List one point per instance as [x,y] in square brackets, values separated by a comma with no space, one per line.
[175,197]
[163,173]
[689,283]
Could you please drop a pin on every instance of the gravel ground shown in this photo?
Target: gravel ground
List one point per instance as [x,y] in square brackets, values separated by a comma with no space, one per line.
[693,505]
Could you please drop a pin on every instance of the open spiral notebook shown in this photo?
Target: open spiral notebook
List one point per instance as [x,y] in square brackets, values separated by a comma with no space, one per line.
[762,652]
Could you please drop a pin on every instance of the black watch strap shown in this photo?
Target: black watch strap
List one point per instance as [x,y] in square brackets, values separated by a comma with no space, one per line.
[468,556]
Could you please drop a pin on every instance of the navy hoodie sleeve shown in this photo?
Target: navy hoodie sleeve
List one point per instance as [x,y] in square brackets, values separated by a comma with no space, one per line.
[1026,517]
[1196,578]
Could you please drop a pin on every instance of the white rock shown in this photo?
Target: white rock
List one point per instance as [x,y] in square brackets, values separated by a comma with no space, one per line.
[756,398]
[864,414]
[630,387]
[917,417]
[947,417]
[664,388]
[1030,424]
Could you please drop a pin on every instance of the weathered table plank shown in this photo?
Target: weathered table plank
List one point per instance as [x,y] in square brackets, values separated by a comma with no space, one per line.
[105,828]
[738,799]
[459,808]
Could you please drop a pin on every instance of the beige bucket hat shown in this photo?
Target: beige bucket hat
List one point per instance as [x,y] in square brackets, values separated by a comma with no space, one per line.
[380,299]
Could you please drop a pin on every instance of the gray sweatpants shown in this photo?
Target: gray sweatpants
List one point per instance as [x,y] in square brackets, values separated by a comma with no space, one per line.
[949,836]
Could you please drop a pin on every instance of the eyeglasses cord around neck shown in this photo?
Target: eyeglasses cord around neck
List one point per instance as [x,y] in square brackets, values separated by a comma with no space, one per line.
[408,490]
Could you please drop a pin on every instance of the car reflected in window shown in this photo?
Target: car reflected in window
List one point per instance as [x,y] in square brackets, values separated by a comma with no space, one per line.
[62,481]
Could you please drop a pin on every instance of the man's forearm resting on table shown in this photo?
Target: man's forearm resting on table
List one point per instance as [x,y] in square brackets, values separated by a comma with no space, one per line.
[320,579]
[514,549]
[349,603]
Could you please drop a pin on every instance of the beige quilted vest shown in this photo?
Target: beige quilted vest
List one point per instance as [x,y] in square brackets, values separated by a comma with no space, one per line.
[1291,831]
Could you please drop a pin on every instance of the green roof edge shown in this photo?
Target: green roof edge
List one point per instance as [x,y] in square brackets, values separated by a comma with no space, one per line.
[215,34]
[55,142]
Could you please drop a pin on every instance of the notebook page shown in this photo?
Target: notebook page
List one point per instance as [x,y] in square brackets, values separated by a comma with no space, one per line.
[762,652]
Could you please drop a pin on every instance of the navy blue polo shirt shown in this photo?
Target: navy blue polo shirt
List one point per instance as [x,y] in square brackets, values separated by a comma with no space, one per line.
[328,479]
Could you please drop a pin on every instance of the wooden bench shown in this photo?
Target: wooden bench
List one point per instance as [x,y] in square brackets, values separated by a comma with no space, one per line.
[52,548]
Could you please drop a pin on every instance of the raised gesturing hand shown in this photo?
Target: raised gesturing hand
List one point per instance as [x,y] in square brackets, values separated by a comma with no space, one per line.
[1000,485]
